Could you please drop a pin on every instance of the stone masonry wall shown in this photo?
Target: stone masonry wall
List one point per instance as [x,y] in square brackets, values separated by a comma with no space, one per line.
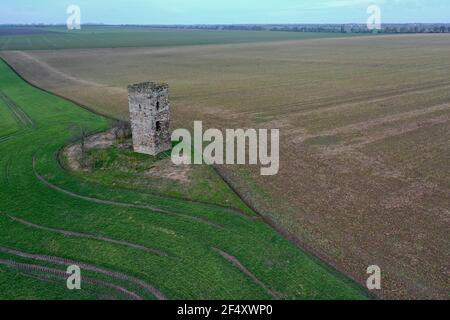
[150,117]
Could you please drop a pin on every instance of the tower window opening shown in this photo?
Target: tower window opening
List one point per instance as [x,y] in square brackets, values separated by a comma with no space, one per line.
[157,105]
[158,126]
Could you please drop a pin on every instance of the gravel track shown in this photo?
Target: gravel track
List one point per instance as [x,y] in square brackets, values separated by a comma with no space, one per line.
[66,262]
[89,236]
[63,275]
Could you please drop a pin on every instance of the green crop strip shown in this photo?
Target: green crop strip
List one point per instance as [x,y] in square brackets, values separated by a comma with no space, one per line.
[47,212]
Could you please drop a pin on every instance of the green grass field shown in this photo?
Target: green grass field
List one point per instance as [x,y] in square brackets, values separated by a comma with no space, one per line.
[118,37]
[161,247]
[157,175]
[364,122]
[9,123]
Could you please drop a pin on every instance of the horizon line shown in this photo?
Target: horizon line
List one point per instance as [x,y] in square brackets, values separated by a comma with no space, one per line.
[210,24]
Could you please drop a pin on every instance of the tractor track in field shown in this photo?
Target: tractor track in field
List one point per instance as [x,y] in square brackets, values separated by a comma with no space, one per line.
[121,204]
[228,210]
[89,236]
[14,135]
[7,171]
[48,278]
[8,137]
[66,262]
[318,105]
[360,127]
[20,115]
[65,76]
[63,275]
[233,260]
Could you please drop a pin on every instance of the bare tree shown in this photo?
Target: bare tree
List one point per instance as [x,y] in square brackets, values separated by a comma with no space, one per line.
[122,129]
[83,147]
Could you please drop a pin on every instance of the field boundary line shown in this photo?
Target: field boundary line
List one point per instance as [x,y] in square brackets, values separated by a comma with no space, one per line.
[107,116]
[316,255]
[237,44]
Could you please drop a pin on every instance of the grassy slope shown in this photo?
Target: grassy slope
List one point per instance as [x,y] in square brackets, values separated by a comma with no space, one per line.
[192,269]
[29,287]
[115,37]
[9,124]
[32,285]
[128,170]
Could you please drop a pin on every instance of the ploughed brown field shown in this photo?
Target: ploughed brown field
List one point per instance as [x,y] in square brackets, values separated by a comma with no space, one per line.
[365,125]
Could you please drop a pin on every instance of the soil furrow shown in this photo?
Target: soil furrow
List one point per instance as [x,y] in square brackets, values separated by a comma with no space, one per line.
[66,262]
[317,105]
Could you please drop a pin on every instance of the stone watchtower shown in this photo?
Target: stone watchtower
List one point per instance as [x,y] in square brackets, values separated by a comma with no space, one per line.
[150,117]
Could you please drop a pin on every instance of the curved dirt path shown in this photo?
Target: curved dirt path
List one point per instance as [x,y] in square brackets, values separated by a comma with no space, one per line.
[63,275]
[120,204]
[247,272]
[66,262]
[89,236]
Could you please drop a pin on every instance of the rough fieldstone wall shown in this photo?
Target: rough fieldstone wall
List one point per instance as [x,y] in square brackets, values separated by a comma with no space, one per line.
[150,117]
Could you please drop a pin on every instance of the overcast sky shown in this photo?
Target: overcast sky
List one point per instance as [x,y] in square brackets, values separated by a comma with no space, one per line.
[222,11]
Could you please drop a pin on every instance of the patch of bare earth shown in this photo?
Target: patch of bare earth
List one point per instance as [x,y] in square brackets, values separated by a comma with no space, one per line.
[167,170]
[101,140]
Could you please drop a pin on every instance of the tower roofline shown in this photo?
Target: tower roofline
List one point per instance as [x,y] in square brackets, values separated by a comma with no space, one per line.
[148,86]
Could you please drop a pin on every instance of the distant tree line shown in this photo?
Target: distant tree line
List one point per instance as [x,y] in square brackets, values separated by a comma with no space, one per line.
[338,28]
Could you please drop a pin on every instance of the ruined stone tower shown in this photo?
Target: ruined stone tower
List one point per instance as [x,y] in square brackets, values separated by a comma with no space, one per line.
[150,117]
